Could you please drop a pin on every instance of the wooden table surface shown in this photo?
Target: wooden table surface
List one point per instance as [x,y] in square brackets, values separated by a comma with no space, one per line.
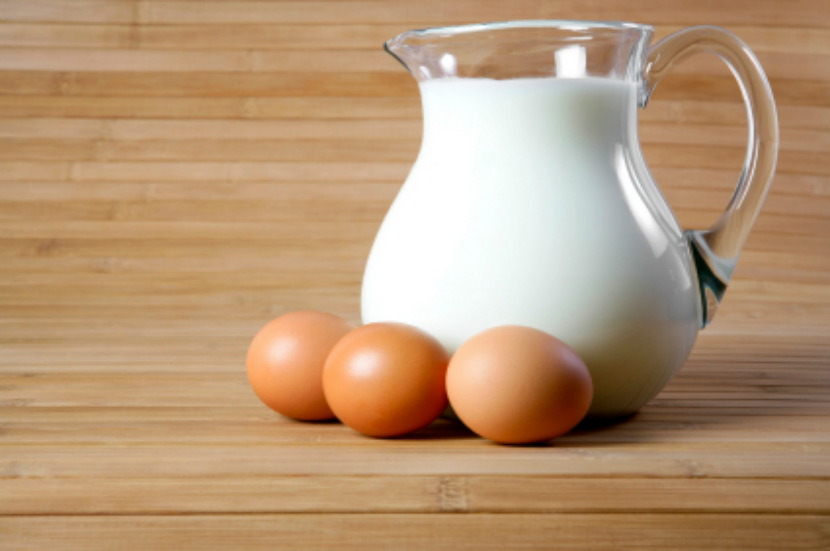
[175,174]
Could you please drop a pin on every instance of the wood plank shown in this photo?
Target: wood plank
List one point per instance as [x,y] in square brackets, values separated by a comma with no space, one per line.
[79,129]
[27,171]
[786,187]
[280,205]
[814,295]
[46,150]
[809,39]
[155,84]
[221,296]
[263,302]
[189,61]
[686,156]
[99,394]
[67,35]
[713,179]
[730,113]
[777,65]
[131,60]
[244,108]
[389,129]
[337,132]
[658,156]
[370,208]
[299,233]
[310,108]
[690,87]
[415,456]
[171,12]
[236,171]
[418,494]
[763,13]
[434,531]
[210,150]
[160,211]
[338,149]
[47,238]
[337,261]
[193,37]
[177,191]
[78,11]
[708,88]
[221,360]
[697,134]
[92,429]
[770,38]
[786,205]
[66,257]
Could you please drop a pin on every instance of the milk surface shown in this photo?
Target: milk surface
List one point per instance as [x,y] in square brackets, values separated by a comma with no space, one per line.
[530,204]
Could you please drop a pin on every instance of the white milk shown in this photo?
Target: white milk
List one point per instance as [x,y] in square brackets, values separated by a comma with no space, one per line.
[530,204]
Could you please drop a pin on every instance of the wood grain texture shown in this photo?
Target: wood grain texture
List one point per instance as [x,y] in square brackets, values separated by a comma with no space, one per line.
[173,174]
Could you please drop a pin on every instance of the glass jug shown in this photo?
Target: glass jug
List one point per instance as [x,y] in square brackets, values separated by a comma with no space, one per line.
[530,202]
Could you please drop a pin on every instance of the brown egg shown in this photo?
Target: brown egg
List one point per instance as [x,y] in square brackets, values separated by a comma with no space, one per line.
[285,362]
[386,379]
[517,385]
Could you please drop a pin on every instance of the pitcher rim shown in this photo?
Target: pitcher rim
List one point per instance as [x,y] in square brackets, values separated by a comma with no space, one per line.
[563,24]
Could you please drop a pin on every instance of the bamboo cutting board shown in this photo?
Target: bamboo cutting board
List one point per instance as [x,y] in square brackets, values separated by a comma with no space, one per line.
[173,174]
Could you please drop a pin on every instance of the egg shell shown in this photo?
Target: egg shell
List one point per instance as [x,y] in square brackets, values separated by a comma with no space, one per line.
[516,385]
[386,379]
[285,362]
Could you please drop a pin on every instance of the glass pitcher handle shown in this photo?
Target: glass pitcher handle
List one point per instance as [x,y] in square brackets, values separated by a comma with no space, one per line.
[716,250]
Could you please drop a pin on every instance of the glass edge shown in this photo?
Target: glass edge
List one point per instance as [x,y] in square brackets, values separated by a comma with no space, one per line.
[389,47]
[564,24]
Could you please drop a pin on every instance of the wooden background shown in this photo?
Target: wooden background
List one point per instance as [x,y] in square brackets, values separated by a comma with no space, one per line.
[175,174]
